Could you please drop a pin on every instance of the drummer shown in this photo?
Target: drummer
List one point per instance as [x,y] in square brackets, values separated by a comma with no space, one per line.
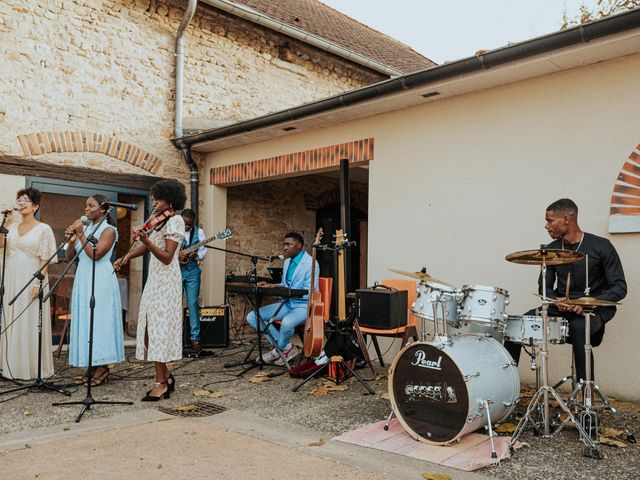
[606,280]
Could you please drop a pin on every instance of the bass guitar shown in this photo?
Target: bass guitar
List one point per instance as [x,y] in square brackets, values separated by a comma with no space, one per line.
[314,326]
[224,234]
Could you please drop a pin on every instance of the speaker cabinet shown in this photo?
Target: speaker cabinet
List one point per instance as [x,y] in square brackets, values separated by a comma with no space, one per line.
[214,327]
[381,308]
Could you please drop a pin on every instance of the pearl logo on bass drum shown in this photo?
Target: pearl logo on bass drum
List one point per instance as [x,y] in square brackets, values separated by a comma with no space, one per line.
[421,361]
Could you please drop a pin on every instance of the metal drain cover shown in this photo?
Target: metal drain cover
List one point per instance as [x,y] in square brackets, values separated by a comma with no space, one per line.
[202,409]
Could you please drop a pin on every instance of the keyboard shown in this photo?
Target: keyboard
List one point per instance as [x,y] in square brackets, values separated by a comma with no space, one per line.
[247,288]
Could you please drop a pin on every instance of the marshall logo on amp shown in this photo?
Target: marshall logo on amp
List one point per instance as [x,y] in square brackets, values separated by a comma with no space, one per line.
[421,361]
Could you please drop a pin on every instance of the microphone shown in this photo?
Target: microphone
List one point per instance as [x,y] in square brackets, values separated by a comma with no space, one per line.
[9,210]
[273,258]
[85,220]
[130,206]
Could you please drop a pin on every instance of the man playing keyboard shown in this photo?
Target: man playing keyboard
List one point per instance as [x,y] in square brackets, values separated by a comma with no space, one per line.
[296,273]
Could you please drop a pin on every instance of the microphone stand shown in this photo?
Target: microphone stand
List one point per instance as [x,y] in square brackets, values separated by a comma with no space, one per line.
[89,400]
[4,231]
[39,383]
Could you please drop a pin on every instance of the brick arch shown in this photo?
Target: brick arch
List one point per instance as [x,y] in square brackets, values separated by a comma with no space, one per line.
[624,212]
[359,200]
[85,141]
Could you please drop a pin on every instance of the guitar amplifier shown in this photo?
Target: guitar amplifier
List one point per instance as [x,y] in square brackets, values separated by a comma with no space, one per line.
[381,308]
[214,327]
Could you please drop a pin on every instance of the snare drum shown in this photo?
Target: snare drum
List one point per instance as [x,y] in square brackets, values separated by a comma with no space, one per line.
[483,304]
[438,392]
[522,329]
[429,294]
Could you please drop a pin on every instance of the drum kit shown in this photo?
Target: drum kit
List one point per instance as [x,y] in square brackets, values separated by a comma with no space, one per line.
[462,378]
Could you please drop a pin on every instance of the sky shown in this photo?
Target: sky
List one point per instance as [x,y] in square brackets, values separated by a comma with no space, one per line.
[452,29]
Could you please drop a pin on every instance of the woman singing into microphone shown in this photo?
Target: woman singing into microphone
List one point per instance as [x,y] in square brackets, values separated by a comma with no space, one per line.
[159,336]
[108,342]
[30,244]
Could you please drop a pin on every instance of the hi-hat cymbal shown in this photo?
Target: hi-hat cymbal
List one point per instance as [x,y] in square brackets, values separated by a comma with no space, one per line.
[422,276]
[550,256]
[584,301]
[590,302]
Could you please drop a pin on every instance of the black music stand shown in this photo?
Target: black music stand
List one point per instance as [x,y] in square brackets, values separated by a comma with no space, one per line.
[255,298]
[39,383]
[88,400]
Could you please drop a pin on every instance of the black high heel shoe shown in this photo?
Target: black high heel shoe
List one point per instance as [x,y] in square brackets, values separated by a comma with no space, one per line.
[172,385]
[150,398]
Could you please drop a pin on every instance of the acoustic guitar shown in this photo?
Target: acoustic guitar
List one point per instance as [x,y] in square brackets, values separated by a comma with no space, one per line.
[226,233]
[314,325]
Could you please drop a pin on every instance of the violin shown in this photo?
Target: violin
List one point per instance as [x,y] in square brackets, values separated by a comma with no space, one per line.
[154,223]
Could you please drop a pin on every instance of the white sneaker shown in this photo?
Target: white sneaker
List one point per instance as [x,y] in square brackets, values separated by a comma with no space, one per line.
[290,352]
[271,356]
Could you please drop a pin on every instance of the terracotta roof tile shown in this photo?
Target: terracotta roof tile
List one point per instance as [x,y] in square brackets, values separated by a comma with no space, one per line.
[322,20]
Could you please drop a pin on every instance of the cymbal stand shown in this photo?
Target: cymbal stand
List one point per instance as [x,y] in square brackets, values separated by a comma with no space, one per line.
[542,394]
[588,417]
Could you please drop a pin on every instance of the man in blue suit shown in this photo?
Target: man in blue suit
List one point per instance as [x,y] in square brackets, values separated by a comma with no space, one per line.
[296,273]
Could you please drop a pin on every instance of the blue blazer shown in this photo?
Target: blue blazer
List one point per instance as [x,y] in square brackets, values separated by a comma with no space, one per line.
[301,278]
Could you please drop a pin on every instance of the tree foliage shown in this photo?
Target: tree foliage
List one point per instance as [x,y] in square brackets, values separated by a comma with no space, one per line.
[602,8]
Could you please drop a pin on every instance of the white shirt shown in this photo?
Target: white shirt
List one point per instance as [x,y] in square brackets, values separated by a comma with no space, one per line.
[202,251]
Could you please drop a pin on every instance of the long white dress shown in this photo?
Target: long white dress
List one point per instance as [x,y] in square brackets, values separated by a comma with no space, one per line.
[19,343]
[161,303]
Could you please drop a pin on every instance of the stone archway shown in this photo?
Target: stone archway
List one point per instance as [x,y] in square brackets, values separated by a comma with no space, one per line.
[41,143]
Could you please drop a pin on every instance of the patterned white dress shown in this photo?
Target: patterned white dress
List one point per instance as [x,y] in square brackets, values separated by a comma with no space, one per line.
[161,303]
[19,343]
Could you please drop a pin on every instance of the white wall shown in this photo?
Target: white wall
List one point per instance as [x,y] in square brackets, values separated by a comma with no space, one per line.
[9,185]
[459,183]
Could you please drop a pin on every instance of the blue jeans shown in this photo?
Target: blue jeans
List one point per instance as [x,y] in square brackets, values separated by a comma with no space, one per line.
[191,286]
[291,317]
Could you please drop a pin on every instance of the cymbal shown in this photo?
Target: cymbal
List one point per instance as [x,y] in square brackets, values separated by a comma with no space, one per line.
[551,257]
[422,276]
[584,301]
[590,302]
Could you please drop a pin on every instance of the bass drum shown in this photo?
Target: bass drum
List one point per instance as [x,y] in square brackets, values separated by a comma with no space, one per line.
[438,392]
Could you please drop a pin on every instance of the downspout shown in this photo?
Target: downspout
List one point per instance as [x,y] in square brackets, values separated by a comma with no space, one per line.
[194,177]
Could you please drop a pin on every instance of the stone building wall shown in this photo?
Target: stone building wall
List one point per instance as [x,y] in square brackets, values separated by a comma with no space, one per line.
[107,66]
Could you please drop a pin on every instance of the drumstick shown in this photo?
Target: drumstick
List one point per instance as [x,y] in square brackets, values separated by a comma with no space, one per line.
[566,292]
[555,302]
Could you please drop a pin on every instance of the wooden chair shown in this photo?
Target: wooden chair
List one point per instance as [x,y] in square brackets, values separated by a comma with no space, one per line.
[66,318]
[406,331]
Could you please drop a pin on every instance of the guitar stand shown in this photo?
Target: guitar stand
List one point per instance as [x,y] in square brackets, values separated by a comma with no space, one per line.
[335,360]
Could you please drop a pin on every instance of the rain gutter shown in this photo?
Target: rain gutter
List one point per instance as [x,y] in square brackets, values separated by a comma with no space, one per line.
[259,18]
[494,58]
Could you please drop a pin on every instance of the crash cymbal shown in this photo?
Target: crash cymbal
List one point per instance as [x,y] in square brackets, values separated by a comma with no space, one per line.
[551,257]
[590,302]
[422,276]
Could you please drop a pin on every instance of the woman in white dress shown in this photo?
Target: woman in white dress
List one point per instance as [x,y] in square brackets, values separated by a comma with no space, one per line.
[29,245]
[159,334]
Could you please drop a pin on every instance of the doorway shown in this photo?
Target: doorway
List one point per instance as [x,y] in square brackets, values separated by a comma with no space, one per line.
[62,203]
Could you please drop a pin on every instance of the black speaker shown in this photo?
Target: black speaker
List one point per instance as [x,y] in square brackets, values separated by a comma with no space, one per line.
[381,307]
[214,327]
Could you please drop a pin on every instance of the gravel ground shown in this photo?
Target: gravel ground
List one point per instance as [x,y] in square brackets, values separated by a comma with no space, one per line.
[339,411]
